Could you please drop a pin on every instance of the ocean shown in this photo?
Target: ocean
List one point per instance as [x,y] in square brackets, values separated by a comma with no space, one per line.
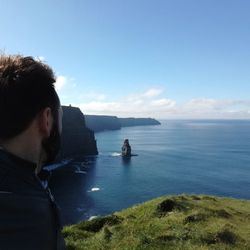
[179,156]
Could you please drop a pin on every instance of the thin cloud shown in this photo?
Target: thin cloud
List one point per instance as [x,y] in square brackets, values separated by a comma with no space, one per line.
[163,102]
[41,58]
[61,81]
[94,96]
[154,103]
[152,93]
[140,97]
[133,104]
[169,108]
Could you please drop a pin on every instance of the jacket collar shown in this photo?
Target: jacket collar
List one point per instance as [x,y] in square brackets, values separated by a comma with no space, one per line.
[16,161]
[16,164]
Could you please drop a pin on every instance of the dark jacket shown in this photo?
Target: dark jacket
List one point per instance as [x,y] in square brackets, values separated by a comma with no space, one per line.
[29,217]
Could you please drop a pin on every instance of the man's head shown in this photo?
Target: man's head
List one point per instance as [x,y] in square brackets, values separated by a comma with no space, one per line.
[28,97]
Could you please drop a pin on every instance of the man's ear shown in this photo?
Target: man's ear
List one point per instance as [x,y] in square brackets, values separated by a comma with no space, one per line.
[45,122]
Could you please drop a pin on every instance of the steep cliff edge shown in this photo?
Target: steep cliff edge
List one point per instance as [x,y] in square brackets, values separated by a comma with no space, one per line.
[77,139]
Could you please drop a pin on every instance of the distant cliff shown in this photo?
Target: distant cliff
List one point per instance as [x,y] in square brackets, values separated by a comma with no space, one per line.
[77,139]
[101,123]
[128,122]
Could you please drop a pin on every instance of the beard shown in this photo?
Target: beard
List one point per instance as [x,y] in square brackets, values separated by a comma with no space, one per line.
[52,144]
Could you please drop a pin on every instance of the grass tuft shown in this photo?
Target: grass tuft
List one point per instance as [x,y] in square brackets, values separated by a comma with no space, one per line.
[97,224]
[166,238]
[107,235]
[222,213]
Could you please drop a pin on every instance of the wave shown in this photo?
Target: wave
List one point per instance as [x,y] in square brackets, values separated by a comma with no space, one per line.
[116,154]
[94,189]
[80,172]
[57,165]
[92,217]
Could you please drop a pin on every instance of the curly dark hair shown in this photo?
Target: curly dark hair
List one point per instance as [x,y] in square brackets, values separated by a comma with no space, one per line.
[26,87]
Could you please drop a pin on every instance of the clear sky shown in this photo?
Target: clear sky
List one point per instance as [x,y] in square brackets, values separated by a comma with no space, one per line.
[142,58]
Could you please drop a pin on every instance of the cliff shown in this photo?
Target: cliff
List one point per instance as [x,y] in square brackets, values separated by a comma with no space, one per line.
[77,139]
[129,122]
[101,123]
[173,222]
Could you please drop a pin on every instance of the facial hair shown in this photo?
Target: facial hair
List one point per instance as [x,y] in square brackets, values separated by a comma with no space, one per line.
[51,145]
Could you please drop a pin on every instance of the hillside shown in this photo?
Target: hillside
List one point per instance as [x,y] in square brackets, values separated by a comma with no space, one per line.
[172,222]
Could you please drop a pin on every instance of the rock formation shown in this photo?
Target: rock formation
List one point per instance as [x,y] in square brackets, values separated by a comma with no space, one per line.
[126,148]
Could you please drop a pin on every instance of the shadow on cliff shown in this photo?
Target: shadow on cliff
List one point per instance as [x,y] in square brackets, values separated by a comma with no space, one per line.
[70,184]
[77,139]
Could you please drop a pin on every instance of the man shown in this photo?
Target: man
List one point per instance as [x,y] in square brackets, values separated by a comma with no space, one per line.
[30,128]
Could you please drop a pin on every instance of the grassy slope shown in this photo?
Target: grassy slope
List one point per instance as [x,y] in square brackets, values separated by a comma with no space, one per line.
[172,222]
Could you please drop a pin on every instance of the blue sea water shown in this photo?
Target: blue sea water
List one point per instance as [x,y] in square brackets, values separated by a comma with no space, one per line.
[184,156]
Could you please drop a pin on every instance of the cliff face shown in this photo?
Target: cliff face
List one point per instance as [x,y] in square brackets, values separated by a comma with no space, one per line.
[77,139]
[101,122]
[129,122]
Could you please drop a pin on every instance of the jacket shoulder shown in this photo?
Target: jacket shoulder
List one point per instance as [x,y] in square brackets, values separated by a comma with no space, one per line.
[25,221]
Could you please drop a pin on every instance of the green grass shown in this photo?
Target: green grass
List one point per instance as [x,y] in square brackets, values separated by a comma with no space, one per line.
[172,222]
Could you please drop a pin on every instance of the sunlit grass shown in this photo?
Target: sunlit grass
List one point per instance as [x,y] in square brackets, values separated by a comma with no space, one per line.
[172,222]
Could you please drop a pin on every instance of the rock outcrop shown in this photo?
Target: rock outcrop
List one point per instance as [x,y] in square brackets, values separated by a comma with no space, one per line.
[126,148]
[77,139]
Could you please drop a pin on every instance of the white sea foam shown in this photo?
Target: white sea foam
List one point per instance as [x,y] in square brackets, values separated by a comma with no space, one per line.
[94,189]
[92,217]
[57,165]
[116,154]
[80,172]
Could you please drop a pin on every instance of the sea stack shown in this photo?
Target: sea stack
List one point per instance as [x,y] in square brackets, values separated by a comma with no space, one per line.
[126,149]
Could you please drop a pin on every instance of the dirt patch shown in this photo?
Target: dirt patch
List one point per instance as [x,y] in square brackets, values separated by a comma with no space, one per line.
[195,218]
[225,236]
[169,205]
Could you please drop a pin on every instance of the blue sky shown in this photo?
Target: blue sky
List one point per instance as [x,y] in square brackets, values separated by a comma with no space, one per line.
[158,58]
